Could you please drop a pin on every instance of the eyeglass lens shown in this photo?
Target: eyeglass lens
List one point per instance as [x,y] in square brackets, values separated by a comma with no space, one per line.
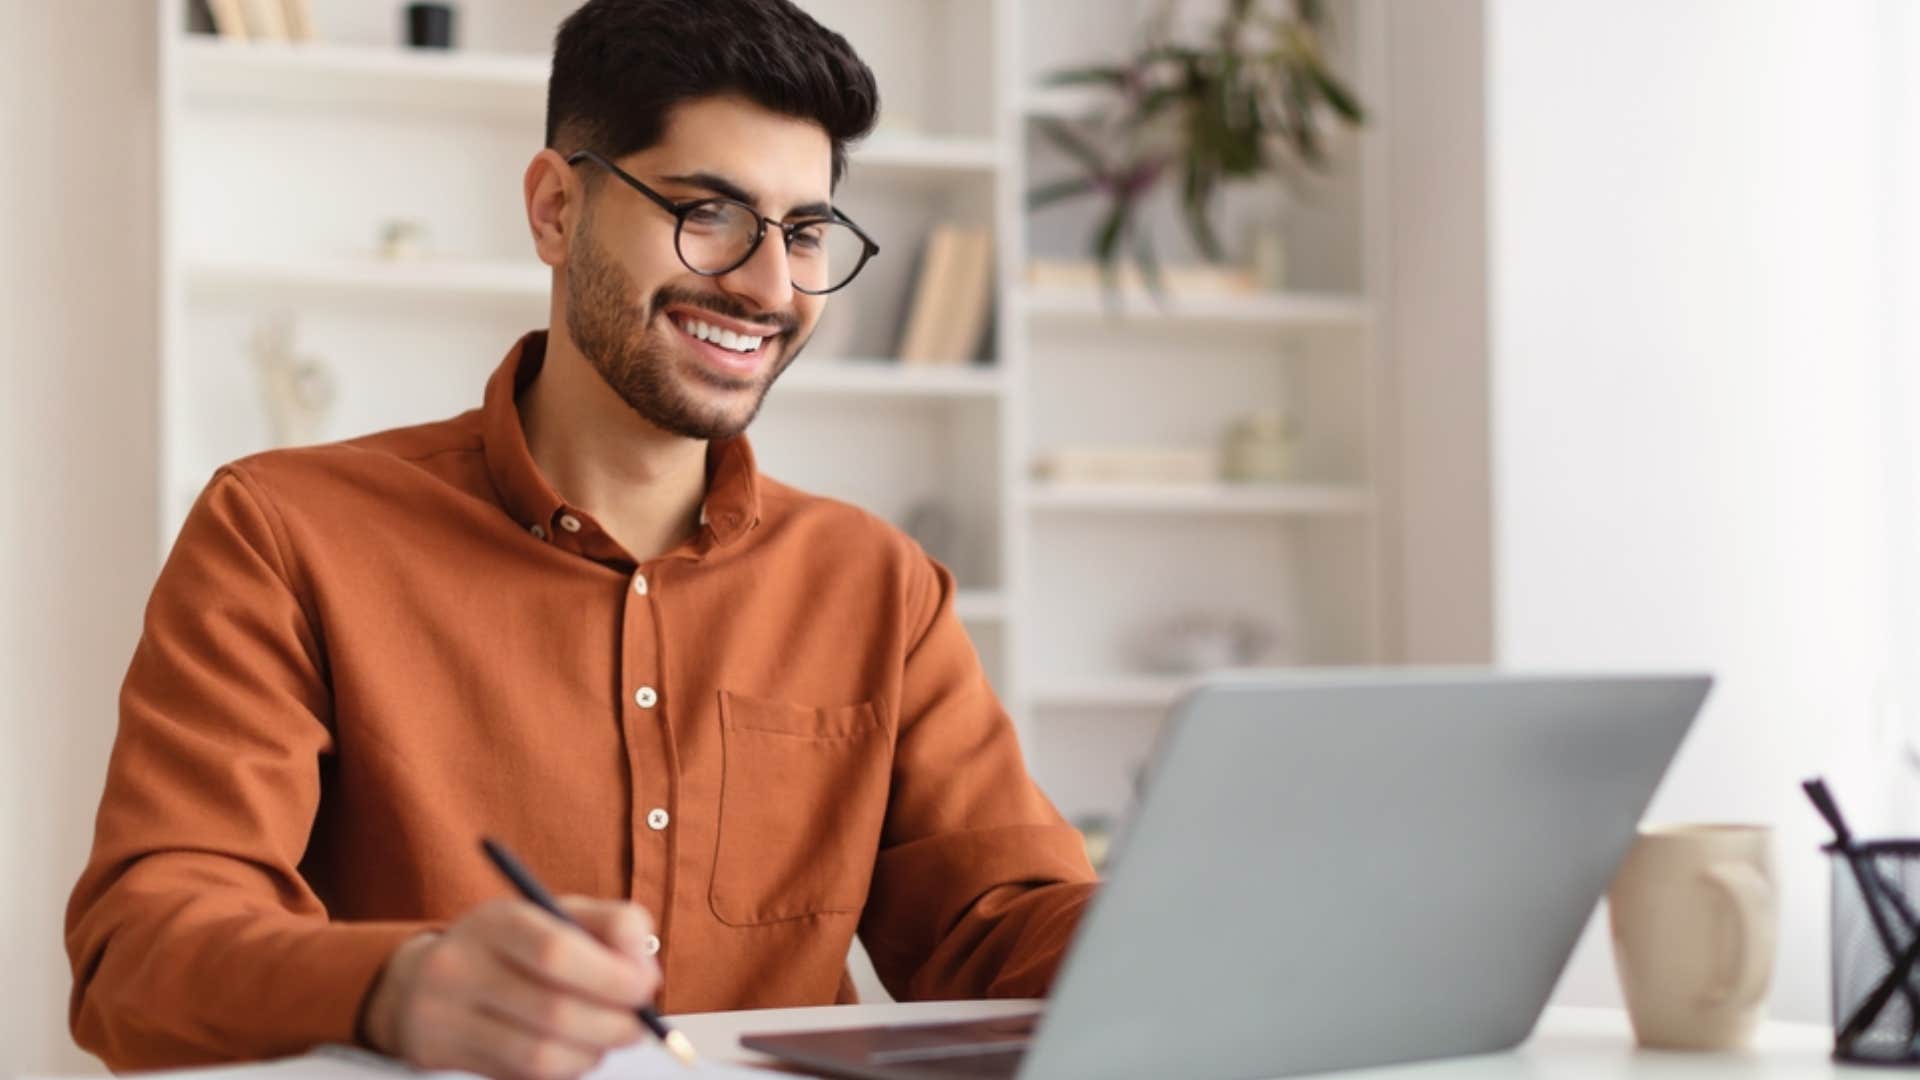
[715,237]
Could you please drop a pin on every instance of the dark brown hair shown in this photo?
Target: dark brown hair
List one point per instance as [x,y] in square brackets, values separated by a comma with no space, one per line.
[619,67]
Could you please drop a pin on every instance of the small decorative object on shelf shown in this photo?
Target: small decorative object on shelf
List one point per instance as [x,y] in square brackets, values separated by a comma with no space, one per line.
[1268,257]
[1259,448]
[1128,465]
[430,26]
[1206,641]
[402,239]
[936,527]
[299,389]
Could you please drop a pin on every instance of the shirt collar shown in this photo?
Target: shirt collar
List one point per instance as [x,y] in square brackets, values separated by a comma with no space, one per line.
[732,505]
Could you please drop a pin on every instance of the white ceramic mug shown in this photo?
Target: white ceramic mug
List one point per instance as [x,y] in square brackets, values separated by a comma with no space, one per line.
[1695,921]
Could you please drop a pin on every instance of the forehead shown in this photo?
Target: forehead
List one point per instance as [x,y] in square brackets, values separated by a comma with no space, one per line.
[783,160]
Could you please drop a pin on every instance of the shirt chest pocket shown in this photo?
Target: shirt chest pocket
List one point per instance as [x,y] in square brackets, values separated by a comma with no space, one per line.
[803,795]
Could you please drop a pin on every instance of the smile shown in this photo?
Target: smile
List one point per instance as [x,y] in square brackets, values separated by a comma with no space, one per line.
[730,340]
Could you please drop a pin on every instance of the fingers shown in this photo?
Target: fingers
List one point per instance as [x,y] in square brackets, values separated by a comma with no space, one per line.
[514,992]
[548,1014]
[453,1037]
[567,957]
[621,926]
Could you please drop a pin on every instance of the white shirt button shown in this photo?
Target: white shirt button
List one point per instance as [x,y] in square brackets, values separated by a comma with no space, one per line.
[539,533]
[656,819]
[653,944]
[646,697]
[640,584]
[569,523]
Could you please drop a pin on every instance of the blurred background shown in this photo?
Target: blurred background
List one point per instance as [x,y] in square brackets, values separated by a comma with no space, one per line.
[1553,335]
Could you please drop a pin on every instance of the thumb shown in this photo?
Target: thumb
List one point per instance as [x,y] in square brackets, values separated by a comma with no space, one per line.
[617,924]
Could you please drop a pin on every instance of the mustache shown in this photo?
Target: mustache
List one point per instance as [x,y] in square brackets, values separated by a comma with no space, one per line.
[725,306]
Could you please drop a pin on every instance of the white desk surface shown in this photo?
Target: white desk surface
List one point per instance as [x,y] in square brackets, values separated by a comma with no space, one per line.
[1575,1043]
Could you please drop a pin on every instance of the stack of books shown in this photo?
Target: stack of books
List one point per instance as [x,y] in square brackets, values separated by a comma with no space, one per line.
[260,20]
[947,318]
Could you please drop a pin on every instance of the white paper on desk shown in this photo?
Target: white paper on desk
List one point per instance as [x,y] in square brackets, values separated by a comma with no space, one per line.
[646,1061]
[650,1060]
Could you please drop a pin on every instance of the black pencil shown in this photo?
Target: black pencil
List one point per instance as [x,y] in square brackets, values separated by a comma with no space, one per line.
[676,1042]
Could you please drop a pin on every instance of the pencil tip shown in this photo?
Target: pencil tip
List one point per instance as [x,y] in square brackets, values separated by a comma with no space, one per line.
[681,1047]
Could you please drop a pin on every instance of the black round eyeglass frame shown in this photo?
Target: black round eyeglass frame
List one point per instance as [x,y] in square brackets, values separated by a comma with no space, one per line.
[680,210]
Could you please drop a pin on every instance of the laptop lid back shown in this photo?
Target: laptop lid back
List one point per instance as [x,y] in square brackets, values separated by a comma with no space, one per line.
[1330,871]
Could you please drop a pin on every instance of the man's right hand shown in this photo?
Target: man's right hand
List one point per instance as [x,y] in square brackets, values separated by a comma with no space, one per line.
[512,992]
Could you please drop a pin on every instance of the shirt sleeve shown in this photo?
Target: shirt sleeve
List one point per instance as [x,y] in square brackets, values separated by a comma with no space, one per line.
[192,934]
[979,882]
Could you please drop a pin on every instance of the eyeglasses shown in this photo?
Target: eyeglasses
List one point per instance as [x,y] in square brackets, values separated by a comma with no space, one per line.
[715,236]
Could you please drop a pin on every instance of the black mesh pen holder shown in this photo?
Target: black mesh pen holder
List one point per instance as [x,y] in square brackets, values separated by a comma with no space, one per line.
[1876,952]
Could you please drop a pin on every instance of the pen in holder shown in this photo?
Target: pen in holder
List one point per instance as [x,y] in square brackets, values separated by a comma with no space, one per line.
[1876,942]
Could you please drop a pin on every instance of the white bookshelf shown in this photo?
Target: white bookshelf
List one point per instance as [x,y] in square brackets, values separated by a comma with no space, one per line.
[280,162]
[1273,311]
[1200,499]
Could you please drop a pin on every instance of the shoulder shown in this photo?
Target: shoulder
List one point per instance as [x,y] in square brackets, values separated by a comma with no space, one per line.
[838,541]
[847,532]
[385,463]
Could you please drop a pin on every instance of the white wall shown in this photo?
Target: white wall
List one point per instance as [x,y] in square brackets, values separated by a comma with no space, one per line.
[77,212]
[1686,324]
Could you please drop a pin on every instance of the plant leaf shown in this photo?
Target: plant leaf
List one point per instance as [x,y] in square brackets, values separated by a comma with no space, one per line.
[1149,263]
[1106,245]
[1101,73]
[1073,144]
[1299,102]
[1196,200]
[1055,191]
[1337,94]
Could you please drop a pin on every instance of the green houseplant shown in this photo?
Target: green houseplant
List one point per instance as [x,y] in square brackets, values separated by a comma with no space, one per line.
[1243,104]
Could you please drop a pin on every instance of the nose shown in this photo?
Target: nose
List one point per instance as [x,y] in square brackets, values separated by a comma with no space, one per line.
[764,280]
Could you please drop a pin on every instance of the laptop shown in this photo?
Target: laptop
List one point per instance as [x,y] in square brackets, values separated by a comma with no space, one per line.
[1328,871]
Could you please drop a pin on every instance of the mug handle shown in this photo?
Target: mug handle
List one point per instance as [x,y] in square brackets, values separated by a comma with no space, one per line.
[1749,893]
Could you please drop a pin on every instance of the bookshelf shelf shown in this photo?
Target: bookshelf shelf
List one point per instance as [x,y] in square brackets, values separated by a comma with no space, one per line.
[218,72]
[980,605]
[1274,310]
[1227,499]
[892,379]
[482,279]
[1156,692]
[505,86]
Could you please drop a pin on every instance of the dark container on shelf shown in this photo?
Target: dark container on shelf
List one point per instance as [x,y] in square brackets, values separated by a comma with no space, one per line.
[430,26]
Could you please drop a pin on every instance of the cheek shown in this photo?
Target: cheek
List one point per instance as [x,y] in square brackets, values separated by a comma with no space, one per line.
[808,309]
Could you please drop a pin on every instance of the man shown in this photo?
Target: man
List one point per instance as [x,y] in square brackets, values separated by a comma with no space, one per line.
[744,721]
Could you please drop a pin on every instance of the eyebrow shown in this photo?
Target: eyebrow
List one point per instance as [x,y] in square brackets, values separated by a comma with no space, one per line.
[720,185]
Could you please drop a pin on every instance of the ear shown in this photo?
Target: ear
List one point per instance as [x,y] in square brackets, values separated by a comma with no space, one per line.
[554,196]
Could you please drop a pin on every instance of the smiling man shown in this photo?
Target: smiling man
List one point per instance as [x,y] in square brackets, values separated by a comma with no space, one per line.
[737,722]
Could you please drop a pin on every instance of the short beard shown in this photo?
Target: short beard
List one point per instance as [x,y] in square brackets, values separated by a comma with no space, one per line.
[614,337]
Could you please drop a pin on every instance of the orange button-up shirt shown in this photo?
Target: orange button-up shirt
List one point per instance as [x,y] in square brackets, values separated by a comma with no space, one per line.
[359,658]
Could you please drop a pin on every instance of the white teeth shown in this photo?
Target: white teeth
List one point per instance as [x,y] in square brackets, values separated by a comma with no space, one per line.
[726,339]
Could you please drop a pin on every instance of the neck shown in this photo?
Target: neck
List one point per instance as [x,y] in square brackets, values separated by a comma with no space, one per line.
[643,485]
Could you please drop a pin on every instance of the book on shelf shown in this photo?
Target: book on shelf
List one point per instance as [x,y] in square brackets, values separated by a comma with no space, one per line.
[299,15]
[266,20]
[229,19]
[951,297]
